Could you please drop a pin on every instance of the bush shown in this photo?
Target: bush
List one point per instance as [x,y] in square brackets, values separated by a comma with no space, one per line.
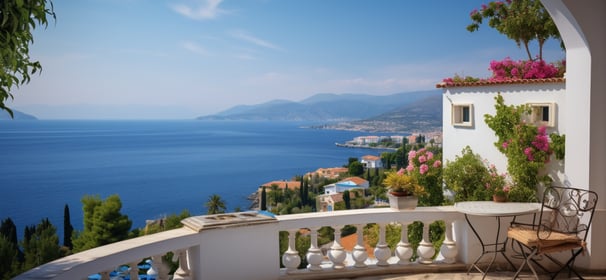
[465,176]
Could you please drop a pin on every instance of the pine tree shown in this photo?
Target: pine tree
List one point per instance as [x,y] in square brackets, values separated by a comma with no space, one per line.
[103,223]
[10,255]
[67,228]
[41,245]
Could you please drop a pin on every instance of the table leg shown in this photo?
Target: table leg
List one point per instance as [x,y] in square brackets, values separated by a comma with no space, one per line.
[486,248]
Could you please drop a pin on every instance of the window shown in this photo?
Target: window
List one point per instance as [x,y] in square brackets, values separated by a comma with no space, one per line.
[542,114]
[462,115]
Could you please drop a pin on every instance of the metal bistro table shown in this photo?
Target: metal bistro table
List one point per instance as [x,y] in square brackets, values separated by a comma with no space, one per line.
[498,210]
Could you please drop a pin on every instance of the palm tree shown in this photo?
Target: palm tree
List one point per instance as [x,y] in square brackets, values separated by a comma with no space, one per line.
[215,205]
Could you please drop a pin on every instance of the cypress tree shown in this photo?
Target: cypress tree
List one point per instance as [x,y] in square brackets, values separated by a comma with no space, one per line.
[67,228]
[347,199]
[263,199]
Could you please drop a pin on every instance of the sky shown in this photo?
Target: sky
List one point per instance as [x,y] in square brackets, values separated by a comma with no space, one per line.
[180,59]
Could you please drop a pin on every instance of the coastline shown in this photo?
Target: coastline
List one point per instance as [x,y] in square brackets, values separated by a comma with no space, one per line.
[364,147]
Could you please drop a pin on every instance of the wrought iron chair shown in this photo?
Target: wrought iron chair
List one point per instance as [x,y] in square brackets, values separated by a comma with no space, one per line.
[563,225]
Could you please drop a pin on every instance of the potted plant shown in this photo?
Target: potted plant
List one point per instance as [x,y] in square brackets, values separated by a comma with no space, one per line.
[498,184]
[403,190]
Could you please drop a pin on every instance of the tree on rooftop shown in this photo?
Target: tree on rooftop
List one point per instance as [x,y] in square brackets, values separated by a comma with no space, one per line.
[520,20]
[18,19]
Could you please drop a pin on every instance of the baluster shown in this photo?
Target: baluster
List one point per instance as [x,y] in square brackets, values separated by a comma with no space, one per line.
[291,259]
[314,254]
[382,251]
[425,249]
[404,249]
[359,251]
[105,275]
[449,247]
[182,273]
[134,270]
[337,253]
[159,268]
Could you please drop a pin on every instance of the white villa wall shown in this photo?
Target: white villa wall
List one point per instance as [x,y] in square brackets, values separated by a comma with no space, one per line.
[480,137]
[581,25]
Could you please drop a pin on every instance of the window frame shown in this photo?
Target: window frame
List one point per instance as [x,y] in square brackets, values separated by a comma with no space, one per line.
[457,117]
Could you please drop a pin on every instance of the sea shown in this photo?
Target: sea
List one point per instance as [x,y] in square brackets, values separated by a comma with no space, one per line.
[157,168]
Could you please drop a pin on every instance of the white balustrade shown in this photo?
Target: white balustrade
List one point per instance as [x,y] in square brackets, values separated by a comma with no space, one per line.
[404,250]
[251,251]
[359,253]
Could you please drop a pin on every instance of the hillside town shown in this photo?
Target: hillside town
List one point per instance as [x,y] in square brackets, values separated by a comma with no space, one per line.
[356,185]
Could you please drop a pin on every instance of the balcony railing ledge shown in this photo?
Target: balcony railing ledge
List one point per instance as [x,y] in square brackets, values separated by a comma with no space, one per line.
[376,215]
[105,258]
[373,270]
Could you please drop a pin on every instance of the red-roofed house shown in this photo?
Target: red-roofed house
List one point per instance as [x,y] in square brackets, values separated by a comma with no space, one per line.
[370,161]
[293,185]
[346,184]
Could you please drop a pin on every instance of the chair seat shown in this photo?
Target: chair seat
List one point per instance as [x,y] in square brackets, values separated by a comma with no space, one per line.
[555,241]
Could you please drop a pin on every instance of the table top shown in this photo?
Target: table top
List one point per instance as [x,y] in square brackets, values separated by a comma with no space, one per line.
[493,209]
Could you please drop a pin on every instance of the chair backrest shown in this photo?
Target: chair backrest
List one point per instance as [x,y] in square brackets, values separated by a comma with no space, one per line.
[567,211]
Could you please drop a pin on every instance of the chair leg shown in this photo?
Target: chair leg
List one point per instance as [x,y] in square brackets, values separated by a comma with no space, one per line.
[527,259]
[569,264]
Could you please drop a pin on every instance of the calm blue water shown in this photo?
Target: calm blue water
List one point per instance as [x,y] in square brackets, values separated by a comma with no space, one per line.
[157,167]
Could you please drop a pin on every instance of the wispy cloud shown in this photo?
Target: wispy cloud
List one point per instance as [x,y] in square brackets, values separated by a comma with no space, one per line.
[195,48]
[242,35]
[204,10]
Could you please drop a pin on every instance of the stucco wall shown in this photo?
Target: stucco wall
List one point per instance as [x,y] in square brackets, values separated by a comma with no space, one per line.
[480,137]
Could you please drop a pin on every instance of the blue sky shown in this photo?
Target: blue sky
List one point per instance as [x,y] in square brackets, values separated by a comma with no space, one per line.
[179,59]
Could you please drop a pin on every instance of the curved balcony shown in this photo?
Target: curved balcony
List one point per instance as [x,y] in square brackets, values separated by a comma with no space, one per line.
[246,246]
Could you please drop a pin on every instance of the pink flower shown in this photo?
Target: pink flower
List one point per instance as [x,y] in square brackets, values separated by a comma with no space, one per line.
[401,171]
[410,168]
[422,159]
[429,155]
[528,152]
[504,145]
[412,154]
[423,169]
[437,164]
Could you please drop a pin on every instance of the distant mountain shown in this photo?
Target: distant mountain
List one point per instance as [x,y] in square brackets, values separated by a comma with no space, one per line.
[325,107]
[424,115]
[17,115]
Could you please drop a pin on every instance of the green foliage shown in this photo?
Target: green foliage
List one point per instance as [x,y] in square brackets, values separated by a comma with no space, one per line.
[68,229]
[18,19]
[10,265]
[215,205]
[169,222]
[356,168]
[103,223]
[526,147]
[41,245]
[9,262]
[465,176]
[347,199]
[263,199]
[520,20]
[558,144]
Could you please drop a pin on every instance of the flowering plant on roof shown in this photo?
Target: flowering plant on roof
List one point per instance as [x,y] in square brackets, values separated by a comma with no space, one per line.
[510,70]
[426,167]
